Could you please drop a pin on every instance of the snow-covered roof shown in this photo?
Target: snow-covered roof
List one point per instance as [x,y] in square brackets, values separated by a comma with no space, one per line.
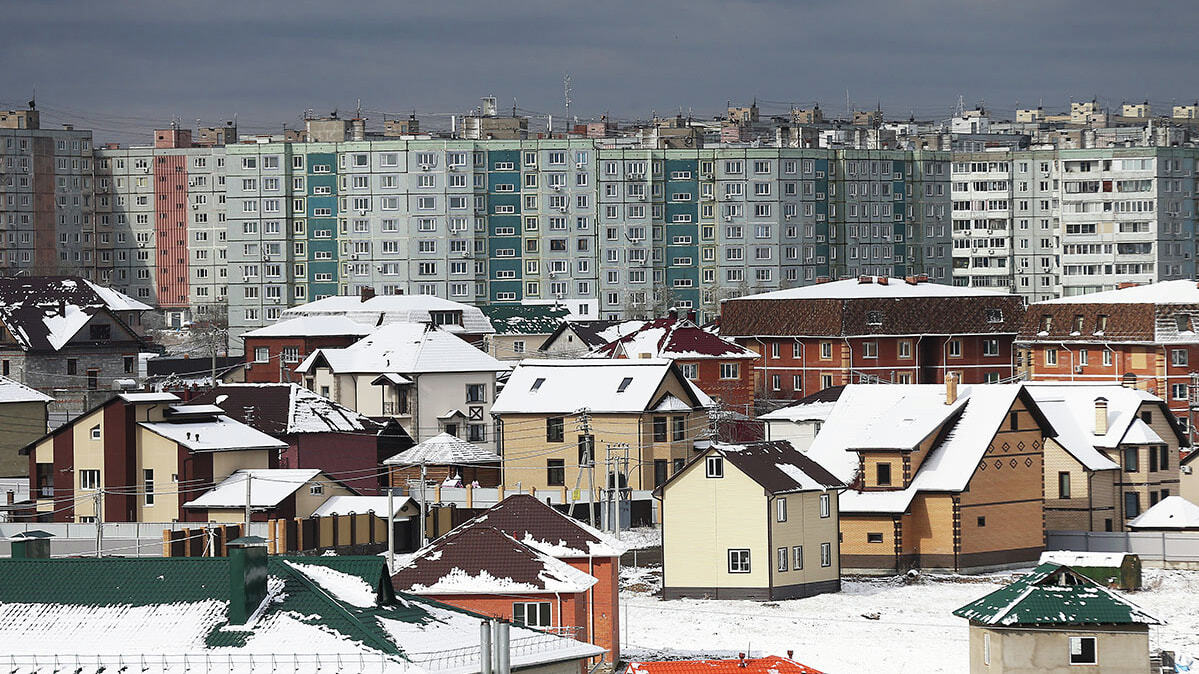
[818,411]
[384,309]
[875,287]
[216,434]
[285,409]
[535,524]
[268,488]
[777,466]
[671,403]
[485,560]
[901,416]
[1183,291]
[12,391]
[150,397]
[675,339]
[525,319]
[443,449]
[315,326]
[358,505]
[599,384]
[1070,409]
[1083,559]
[1172,512]
[1053,594]
[404,348]
[46,312]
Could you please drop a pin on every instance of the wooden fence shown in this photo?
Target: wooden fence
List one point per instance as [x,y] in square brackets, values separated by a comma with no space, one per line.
[283,535]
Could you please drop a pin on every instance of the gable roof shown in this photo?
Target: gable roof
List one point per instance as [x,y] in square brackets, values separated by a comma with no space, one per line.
[12,391]
[525,319]
[1070,409]
[484,560]
[771,664]
[1182,291]
[533,523]
[191,368]
[775,465]
[43,313]
[404,348]
[268,488]
[814,407]
[672,338]
[443,449]
[285,409]
[593,333]
[901,416]
[315,326]
[337,607]
[872,306]
[1053,594]
[357,505]
[1172,512]
[383,309]
[599,384]
[213,433]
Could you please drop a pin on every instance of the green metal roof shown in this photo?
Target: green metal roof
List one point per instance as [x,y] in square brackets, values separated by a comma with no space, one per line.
[1054,594]
[525,319]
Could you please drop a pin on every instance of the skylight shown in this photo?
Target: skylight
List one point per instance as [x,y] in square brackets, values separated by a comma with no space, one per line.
[537,383]
[624,384]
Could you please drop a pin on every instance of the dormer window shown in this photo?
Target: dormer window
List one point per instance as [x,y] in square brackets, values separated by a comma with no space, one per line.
[1183,323]
[874,318]
[1046,323]
[994,315]
[1101,323]
[1077,324]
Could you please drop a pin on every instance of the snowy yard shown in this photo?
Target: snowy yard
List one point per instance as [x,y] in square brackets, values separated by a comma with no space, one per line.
[915,630]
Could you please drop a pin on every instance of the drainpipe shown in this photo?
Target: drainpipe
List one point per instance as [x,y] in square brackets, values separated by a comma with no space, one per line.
[803,366]
[1071,352]
[765,368]
[591,599]
[916,358]
[850,347]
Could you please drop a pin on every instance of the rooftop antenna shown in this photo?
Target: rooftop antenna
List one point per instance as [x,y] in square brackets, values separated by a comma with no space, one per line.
[961,109]
[358,109]
[514,106]
[848,107]
[566,90]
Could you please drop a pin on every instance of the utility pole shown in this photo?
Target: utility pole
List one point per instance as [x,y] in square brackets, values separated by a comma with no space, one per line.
[98,500]
[391,556]
[587,442]
[422,506]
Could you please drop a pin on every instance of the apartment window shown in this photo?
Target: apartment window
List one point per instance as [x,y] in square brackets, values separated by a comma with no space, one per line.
[797,558]
[72,365]
[532,613]
[714,467]
[1132,504]
[555,429]
[905,348]
[1083,651]
[678,429]
[476,433]
[826,350]
[555,472]
[882,473]
[825,506]
[89,478]
[870,349]
[1132,462]
[148,486]
[780,509]
[1051,356]
[1063,484]
[689,370]
[738,561]
[826,554]
[1178,357]
[262,354]
[1163,462]
[781,558]
[730,370]
[990,347]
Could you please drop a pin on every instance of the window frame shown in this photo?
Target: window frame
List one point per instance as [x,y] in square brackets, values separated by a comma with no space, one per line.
[714,467]
[737,558]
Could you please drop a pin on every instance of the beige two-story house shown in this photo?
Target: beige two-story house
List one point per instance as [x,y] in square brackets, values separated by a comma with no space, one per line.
[752,521]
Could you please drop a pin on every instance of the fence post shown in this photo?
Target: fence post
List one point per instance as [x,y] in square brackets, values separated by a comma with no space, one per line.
[470,496]
[166,542]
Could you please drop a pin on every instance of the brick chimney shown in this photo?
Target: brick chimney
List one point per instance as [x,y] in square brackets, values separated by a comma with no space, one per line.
[247,577]
[1101,416]
[864,279]
[366,293]
[883,280]
[1129,380]
[951,388]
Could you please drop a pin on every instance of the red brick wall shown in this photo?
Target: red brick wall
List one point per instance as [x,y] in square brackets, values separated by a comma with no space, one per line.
[606,571]
[64,476]
[119,464]
[170,230]
[268,372]
[352,457]
[736,394]
[572,612]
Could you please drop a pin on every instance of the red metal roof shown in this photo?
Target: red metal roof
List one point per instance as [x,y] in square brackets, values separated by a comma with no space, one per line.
[771,664]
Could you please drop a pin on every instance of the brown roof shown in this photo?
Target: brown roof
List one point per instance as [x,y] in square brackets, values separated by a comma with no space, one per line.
[269,408]
[530,521]
[485,560]
[767,464]
[1125,322]
[871,316]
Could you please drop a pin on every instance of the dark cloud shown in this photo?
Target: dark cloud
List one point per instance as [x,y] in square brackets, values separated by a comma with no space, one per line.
[122,67]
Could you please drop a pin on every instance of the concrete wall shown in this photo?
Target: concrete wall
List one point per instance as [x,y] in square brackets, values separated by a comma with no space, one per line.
[1119,650]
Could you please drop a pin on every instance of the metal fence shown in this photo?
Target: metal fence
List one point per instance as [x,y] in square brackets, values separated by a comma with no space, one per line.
[1161,546]
[123,539]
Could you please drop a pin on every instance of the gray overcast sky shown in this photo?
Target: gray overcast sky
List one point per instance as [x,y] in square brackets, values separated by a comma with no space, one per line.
[123,67]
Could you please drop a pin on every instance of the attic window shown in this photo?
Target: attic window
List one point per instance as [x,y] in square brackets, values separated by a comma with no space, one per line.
[537,383]
[874,318]
[316,489]
[624,384]
[1046,323]
[1183,323]
[1077,324]
[994,315]
[1101,323]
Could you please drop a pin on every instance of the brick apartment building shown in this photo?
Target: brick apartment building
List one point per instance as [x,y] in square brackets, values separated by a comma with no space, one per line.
[1149,333]
[874,329]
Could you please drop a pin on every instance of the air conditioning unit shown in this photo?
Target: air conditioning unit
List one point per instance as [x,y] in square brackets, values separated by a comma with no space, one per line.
[425,167]
[640,197]
[728,218]
[1077,369]
[557,188]
[562,209]
[581,164]
[195,207]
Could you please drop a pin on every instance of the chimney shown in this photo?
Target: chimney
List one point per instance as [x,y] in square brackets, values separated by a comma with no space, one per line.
[1101,416]
[367,292]
[741,656]
[500,647]
[485,646]
[951,388]
[790,654]
[691,315]
[910,280]
[864,279]
[247,577]
[30,544]
[1129,380]
[882,280]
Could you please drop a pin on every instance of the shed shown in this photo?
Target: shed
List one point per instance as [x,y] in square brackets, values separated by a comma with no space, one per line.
[1110,569]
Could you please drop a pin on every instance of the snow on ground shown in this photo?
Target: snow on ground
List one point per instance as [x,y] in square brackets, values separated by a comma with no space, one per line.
[828,632]
[641,538]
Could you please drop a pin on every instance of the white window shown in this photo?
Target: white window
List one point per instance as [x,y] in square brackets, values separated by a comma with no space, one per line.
[532,613]
[262,354]
[689,370]
[824,505]
[797,558]
[738,561]
[781,558]
[826,554]
[780,514]
[1083,651]
[715,467]
[90,478]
